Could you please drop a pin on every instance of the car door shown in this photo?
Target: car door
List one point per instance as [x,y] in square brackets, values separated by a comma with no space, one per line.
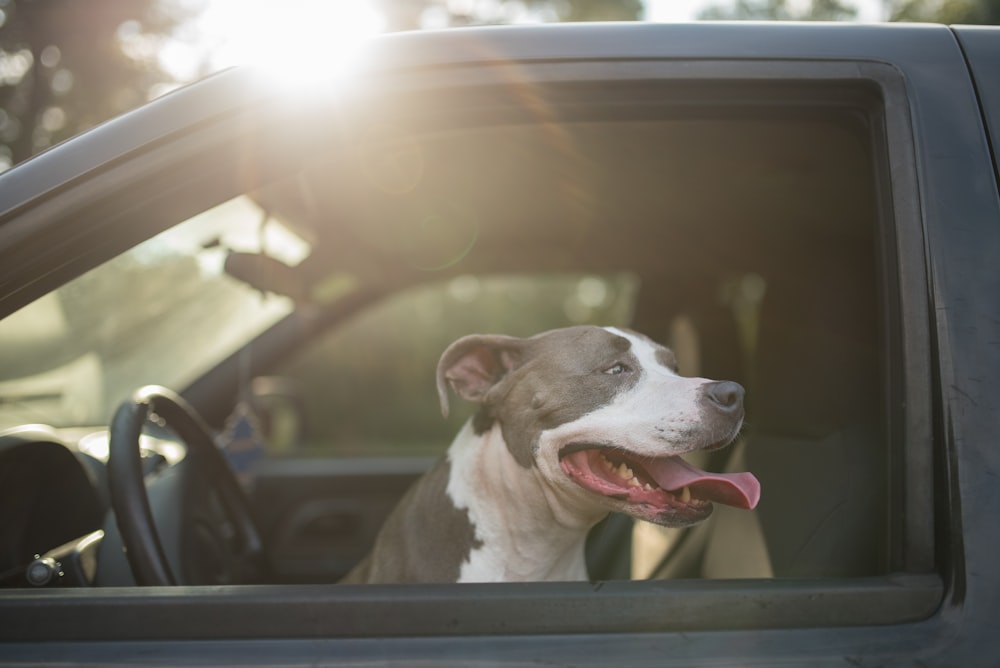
[778,180]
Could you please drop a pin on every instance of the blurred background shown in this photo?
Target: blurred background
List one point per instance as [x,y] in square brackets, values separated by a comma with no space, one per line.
[66,65]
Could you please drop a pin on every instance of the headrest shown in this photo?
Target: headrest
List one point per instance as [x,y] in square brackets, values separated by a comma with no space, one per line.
[816,369]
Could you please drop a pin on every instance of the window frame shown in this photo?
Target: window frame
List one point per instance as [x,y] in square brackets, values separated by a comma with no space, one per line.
[911,594]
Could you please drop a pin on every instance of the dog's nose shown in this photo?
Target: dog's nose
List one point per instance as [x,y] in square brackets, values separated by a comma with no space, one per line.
[726,395]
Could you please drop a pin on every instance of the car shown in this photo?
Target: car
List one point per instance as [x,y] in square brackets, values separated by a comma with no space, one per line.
[222,314]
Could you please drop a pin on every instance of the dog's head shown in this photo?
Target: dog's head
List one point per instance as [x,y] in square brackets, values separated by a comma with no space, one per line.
[604,416]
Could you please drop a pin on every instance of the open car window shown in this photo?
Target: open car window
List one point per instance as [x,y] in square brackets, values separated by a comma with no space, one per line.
[747,243]
[383,360]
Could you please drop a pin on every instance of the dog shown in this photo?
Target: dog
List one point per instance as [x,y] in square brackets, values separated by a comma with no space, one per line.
[572,424]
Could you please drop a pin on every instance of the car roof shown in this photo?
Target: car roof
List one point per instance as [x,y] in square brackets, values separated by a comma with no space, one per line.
[499,47]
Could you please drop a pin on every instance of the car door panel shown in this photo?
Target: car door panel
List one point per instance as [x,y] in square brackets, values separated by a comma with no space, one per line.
[320,517]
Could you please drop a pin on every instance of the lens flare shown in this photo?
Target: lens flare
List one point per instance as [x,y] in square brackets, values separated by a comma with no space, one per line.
[294,43]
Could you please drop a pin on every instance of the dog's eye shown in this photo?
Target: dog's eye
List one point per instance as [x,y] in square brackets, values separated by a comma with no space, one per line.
[616,369]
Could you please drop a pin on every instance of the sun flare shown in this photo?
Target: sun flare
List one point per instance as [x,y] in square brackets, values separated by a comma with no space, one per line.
[296,41]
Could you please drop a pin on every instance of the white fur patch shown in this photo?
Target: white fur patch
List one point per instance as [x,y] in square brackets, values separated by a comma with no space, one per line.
[513,512]
[654,417]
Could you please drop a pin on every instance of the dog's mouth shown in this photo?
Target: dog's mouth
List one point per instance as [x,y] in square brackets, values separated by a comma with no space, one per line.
[664,490]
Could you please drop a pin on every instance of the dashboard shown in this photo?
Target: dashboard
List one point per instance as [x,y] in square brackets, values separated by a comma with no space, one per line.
[55,503]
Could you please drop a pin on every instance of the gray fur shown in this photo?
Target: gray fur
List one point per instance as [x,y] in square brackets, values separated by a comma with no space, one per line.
[430,550]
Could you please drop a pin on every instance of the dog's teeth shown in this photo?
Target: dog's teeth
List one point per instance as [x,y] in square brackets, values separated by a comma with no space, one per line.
[624,471]
[685,495]
[633,482]
[648,487]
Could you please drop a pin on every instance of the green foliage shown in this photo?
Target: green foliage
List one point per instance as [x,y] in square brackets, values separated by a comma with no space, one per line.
[946,11]
[594,10]
[414,14]
[933,11]
[66,65]
[780,10]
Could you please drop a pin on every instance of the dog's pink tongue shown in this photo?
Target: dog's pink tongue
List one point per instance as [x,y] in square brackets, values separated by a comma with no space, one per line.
[741,490]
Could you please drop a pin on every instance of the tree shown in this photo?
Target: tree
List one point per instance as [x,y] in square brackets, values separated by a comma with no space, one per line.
[414,14]
[935,11]
[779,10]
[66,65]
[946,11]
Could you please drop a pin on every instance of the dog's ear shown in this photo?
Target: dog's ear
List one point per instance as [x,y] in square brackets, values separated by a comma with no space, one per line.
[474,364]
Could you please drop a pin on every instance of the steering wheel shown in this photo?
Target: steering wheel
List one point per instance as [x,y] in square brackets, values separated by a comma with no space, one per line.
[214,512]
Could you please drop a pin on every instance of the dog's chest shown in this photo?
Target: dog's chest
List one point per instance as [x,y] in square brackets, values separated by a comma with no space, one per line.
[517,539]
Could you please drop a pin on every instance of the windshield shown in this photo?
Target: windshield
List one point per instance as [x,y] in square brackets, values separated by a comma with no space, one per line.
[164,312]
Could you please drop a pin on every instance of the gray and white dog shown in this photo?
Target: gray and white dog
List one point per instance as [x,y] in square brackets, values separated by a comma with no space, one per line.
[573,423]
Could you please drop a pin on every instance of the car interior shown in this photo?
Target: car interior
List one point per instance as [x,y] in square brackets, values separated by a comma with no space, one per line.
[740,228]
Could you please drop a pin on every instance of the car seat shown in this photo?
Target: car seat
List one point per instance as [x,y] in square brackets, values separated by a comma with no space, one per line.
[813,438]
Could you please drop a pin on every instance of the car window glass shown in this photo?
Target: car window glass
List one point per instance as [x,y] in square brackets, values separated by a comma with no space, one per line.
[163,312]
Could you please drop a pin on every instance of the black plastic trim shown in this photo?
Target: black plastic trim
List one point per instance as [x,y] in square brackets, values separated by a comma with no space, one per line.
[350,611]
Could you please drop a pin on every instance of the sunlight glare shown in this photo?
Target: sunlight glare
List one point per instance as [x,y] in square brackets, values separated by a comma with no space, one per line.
[296,42]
